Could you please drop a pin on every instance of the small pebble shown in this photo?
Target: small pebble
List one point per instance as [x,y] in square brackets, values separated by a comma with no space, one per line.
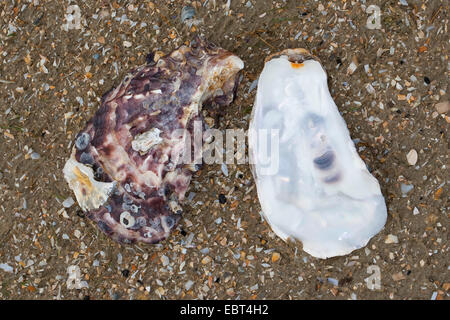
[115,296]
[252,86]
[206,260]
[230,292]
[222,198]
[255,287]
[164,260]
[398,276]
[406,188]
[411,157]
[275,257]
[333,281]
[188,285]
[191,196]
[391,239]
[370,89]
[6,267]
[68,202]
[160,291]
[443,107]
[224,169]
[104,13]
[35,156]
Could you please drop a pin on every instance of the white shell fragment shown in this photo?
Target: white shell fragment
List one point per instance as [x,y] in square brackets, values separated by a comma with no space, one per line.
[6,267]
[90,193]
[312,185]
[353,66]
[68,202]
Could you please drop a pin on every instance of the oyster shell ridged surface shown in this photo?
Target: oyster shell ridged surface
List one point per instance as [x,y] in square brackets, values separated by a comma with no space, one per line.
[321,192]
[126,167]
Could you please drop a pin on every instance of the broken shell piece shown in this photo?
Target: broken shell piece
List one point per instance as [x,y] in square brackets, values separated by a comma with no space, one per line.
[353,66]
[311,182]
[127,168]
[187,13]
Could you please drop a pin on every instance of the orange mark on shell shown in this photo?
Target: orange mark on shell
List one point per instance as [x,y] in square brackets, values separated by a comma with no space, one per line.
[83,179]
[296,65]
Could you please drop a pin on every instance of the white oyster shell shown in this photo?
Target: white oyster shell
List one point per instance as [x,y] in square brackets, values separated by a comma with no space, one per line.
[312,186]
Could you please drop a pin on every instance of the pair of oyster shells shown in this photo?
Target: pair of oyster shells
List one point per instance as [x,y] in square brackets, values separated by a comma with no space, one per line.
[126,167]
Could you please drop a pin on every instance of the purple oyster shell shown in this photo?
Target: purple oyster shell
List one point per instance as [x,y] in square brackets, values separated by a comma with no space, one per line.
[125,168]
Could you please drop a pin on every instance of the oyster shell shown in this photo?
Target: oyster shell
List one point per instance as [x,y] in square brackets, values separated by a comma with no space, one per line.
[313,187]
[126,167]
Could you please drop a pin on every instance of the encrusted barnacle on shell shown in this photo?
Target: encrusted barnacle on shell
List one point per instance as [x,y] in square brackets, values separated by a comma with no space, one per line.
[126,167]
[311,183]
